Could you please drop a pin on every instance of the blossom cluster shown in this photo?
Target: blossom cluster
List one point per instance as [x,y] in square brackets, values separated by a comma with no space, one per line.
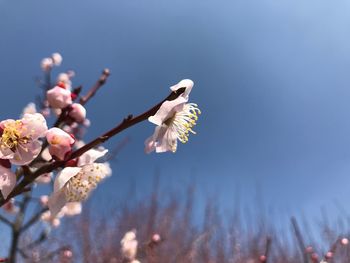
[27,144]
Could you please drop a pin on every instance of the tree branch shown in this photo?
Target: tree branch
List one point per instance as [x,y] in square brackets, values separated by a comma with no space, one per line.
[126,123]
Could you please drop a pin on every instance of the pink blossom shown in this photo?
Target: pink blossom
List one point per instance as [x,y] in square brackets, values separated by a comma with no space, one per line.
[44,199]
[77,112]
[59,97]
[19,141]
[175,120]
[60,142]
[7,181]
[129,245]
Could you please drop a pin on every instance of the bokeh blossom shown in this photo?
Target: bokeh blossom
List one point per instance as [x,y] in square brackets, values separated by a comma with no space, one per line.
[174,119]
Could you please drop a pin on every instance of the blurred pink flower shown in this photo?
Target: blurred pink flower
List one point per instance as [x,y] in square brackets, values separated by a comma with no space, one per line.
[59,97]
[10,207]
[77,112]
[129,245]
[60,142]
[46,64]
[19,141]
[56,59]
[175,120]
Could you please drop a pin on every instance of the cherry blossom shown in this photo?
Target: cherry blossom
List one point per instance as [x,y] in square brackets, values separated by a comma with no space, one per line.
[60,142]
[77,112]
[175,120]
[59,97]
[74,184]
[19,141]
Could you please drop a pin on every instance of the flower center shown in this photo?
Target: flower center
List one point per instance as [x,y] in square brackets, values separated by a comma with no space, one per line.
[183,122]
[79,187]
[11,135]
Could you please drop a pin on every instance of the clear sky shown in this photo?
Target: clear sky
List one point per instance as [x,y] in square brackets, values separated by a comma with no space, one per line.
[271,78]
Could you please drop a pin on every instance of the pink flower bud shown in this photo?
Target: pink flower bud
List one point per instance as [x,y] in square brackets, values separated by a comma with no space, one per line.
[44,199]
[67,253]
[59,97]
[156,238]
[60,142]
[78,112]
[57,59]
[345,241]
[329,255]
[46,64]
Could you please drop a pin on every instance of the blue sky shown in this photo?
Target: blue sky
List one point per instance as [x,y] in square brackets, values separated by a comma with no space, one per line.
[271,78]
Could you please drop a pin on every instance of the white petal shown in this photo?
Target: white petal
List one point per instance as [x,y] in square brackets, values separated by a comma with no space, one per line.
[64,176]
[185,83]
[166,110]
[57,200]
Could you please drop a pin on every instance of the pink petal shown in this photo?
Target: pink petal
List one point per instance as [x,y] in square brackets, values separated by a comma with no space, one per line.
[7,181]
[34,126]
[27,153]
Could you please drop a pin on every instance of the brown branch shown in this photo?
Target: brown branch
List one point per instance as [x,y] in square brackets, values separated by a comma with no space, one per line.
[100,82]
[126,123]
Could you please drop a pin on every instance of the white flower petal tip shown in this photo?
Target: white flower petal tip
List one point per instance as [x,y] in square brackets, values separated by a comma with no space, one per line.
[185,83]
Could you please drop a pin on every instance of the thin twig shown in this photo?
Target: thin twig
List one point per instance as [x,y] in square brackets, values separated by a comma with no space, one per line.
[5,220]
[100,82]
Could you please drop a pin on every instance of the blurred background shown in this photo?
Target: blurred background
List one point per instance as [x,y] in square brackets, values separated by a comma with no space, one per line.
[271,78]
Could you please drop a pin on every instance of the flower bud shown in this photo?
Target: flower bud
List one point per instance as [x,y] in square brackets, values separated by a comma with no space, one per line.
[59,97]
[78,112]
[57,59]
[60,142]
[46,64]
